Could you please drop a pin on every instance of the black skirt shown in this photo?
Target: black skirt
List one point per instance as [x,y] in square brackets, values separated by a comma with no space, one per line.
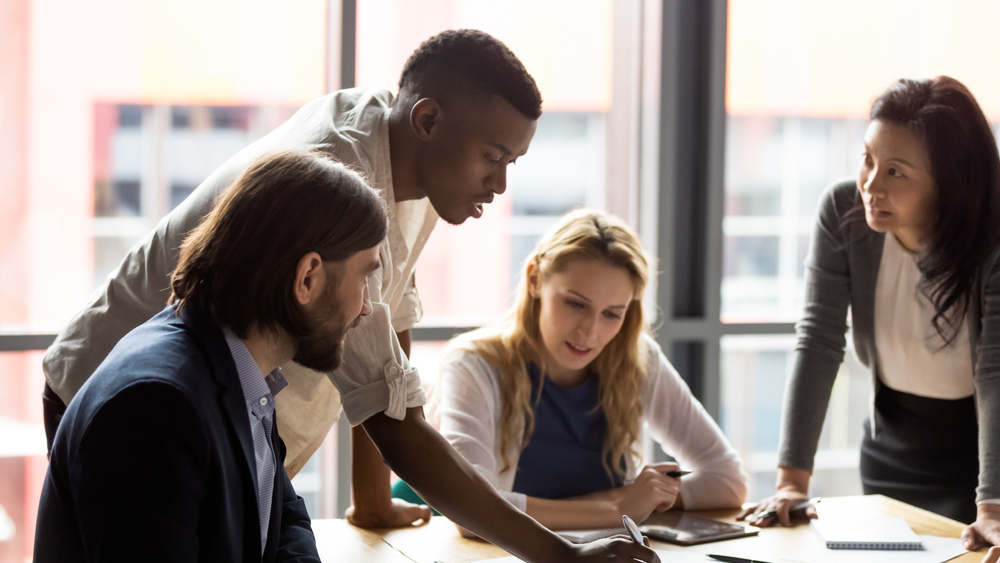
[926,453]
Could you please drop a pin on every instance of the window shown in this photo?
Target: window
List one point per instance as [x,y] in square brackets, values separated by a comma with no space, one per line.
[112,112]
[801,77]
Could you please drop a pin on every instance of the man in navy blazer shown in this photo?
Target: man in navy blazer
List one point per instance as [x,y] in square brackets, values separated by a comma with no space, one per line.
[170,451]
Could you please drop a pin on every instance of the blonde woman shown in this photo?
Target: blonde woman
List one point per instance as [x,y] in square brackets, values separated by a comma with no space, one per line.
[548,406]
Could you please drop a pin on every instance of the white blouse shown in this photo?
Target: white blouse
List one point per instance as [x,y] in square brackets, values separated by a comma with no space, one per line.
[469,404]
[912,356]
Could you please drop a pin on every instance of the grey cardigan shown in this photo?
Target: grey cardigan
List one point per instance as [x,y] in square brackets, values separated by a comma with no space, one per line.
[841,272]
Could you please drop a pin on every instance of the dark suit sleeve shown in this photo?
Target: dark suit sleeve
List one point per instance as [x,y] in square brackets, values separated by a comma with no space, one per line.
[296,542]
[140,476]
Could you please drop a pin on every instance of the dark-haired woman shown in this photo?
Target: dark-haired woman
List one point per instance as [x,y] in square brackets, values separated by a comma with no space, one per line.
[911,248]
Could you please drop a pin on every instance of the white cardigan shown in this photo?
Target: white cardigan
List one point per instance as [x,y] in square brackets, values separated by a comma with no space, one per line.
[470,409]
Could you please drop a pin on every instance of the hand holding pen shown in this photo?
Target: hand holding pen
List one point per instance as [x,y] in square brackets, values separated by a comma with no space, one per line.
[655,489]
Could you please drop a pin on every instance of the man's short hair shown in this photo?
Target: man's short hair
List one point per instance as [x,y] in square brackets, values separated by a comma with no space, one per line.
[471,61]
[239,263]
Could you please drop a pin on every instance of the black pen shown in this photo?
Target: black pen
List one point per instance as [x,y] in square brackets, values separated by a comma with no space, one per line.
[732,559]
[678,473]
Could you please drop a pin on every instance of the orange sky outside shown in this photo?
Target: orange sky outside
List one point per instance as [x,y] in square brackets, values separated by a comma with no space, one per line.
[219,52]
[570,61]
[237,52]
[786,57]
[831,59]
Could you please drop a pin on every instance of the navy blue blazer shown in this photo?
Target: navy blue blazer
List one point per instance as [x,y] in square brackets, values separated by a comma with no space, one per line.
[154,460]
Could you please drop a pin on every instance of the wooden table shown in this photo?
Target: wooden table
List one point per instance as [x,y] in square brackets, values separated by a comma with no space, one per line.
[338,541]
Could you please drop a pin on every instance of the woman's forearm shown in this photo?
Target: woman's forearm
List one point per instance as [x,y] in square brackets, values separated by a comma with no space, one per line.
[793,480]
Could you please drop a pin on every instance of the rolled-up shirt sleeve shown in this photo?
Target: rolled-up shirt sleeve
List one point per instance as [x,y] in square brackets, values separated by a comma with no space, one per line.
[375,375]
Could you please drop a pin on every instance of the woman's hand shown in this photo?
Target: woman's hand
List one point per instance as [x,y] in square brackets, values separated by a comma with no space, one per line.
[985,530]
[993,556]
[792,489]
[652,490]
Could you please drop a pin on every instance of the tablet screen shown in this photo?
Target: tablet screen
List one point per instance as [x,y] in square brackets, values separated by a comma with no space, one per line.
[687,529]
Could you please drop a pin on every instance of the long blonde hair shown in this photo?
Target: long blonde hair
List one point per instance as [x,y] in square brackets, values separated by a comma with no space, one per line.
[579,235]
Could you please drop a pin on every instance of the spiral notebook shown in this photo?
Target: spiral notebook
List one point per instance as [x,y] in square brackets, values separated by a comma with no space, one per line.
[867,533]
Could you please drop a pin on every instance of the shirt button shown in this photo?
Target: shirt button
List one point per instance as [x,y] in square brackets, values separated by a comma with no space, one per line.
[394,370]
[263,401]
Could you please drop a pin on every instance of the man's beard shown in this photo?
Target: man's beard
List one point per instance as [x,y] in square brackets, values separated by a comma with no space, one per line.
[321,351]
[322,348]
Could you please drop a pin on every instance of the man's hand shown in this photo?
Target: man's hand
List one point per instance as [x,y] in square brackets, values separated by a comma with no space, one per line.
[400,513]
[985,530]
[618,548]
[374,506]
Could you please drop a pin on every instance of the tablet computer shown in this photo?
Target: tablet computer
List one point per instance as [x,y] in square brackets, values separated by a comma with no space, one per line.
[687,529]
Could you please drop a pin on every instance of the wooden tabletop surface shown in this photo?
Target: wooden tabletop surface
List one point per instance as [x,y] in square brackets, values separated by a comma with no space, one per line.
[439,540]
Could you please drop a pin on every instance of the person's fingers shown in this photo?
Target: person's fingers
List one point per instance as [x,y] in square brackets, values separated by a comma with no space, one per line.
[992,556]
[423,513]
[763,520]
[971,540]
[638,552]
[748,510]
[784,516]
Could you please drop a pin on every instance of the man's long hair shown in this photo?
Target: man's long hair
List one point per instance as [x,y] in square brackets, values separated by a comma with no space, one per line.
[239,263]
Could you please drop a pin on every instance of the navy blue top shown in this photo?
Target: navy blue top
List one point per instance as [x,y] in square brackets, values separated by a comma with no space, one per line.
[563,455]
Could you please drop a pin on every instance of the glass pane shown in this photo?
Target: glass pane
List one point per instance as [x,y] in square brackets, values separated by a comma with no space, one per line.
[800,79]
[426,356]
[22,453]
[565,166]
[106,128]
[754,371]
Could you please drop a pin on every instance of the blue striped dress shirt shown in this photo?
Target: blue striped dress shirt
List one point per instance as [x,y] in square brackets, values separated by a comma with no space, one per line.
[259,392]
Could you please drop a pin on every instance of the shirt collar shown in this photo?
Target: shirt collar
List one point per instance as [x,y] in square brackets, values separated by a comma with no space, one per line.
[255,386]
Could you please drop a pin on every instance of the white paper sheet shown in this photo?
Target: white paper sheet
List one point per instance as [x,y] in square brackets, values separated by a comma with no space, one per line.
[936,550]
[665,556]
[587,536]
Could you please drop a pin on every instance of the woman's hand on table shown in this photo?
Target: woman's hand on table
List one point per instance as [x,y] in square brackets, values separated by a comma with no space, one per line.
[984,531]
[792,489]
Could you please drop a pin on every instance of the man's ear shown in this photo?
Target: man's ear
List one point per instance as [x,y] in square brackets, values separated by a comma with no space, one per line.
[310,277]
[532,274]
[425,118]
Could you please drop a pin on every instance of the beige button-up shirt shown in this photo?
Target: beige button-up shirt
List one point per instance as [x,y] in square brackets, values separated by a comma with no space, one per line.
[375,376]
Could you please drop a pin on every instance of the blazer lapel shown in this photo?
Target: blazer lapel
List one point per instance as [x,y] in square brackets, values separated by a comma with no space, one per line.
[233,402]
[277,500]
